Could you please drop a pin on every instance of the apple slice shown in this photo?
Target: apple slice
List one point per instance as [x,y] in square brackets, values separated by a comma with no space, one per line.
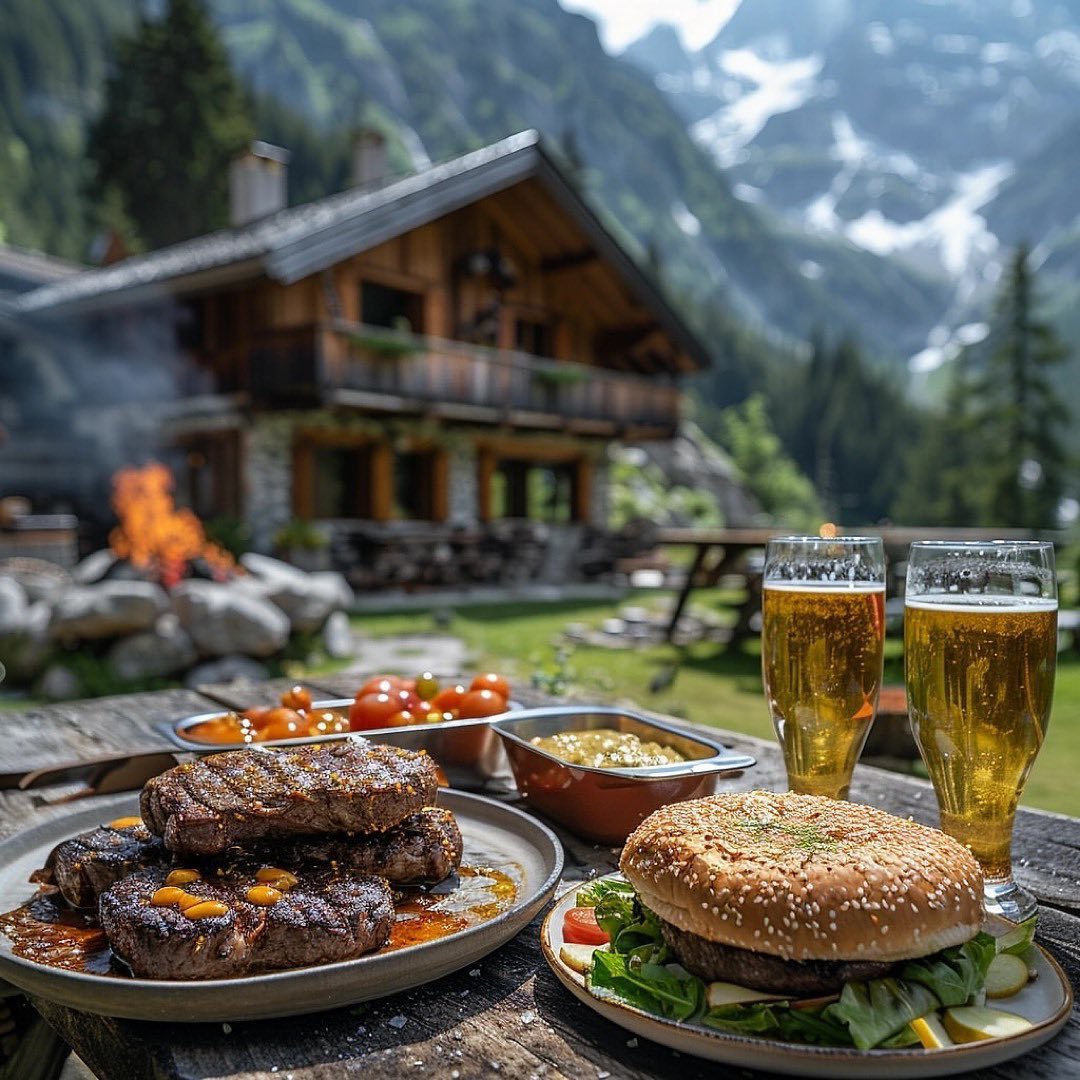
[931,1032]
[578,957]
[1007,975]
[718,994]
[973,1023]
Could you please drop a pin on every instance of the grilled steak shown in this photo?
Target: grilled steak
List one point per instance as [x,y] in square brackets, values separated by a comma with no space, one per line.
[424,849]
[325,917]
[807,978]
[245,796]
[83,867]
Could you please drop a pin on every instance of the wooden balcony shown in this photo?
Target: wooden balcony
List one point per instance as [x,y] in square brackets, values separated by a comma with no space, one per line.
[371,368]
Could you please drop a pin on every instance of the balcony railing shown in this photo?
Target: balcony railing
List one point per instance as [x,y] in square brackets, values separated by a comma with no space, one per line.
[385,369]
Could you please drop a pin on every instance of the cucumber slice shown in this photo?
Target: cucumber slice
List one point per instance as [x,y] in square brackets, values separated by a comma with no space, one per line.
[1007,975]
[718,994]
[972,1023]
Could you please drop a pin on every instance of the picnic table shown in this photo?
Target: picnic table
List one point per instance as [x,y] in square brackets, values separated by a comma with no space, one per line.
[504,1016]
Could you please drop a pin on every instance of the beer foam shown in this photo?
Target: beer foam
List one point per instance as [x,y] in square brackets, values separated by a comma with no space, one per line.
[825,586]
[970,602]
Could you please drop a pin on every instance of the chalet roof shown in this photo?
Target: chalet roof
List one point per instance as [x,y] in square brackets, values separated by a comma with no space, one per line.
[22,271]
[302,240]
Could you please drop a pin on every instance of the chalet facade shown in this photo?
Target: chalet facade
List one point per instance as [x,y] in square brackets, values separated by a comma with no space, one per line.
[454,348]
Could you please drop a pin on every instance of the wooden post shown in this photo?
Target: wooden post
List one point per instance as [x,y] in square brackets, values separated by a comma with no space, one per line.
[440,485]
[382,481]
[582,490]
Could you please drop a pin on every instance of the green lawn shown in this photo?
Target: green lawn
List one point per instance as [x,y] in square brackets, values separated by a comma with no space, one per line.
[712,686]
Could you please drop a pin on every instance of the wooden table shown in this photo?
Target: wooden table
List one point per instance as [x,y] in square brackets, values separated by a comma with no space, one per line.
[504,1017]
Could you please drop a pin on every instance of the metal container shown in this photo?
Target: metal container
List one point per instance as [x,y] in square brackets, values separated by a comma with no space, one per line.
[468,751]
[608,804]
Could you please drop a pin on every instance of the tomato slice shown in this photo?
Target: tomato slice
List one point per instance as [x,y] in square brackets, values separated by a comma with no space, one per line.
[581,928]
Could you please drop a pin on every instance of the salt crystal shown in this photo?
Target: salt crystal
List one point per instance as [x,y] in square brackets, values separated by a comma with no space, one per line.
[528,1016]
[474,973]
[227,1028]
[397,1022]
[632,1043]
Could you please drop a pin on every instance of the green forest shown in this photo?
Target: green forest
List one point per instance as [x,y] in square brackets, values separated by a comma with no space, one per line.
[818,423]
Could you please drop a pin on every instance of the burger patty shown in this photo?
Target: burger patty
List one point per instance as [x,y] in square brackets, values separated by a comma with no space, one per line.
[712,961]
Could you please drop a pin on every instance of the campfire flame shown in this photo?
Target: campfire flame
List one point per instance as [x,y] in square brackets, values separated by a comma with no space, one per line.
[154,534]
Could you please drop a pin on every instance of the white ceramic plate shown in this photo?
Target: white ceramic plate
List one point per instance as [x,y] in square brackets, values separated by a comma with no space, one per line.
[495,836]
[1046,1001]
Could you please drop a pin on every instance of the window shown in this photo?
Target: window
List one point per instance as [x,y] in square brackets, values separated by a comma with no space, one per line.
[414,485]
[533,337]
[398,309]
[539,492]
[341,485]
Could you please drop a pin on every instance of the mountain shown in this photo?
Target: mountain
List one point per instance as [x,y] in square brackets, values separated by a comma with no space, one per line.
[449,75]
[940,133]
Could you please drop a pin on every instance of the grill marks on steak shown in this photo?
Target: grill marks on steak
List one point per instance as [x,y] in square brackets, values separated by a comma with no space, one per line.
[424,849]
[326,917]
[712,961]
[244,796]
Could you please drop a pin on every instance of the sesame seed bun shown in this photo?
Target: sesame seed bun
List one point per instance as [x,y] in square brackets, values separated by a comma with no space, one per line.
[805,878]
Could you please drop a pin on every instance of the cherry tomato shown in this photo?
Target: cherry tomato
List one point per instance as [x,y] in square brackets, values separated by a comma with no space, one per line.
[490,681]
[402,719]
[297,698]
[581,928]
[427,686]
[258,717]
[420,709]
[373,711]
[482,703]
[283,723]
[379,684]
[449,698]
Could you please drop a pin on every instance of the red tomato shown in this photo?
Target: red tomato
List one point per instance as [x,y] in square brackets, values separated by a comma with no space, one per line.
[373,711]
[420,709]
[449,698]
[403,719]
[490,681]
[580,928]
[482,703]
[297,698]
[379,684]
[259,717]
[282,723]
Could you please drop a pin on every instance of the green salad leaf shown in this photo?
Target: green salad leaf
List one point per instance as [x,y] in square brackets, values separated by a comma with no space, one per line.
[954,975]
[591,894]
[1019,939]
[756,1019]
[879,1008]
[651,987]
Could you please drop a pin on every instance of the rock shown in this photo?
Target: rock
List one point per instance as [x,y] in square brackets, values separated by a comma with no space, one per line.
[337,636]
[27,651]
[153,654]
[226,670]
[106,609]
[94,567]
[308,599]
[14,605]
[228,617]
[40,579]
[59,683]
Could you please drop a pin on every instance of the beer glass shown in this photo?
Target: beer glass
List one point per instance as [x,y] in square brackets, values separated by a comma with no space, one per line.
[980,644]
[822,638]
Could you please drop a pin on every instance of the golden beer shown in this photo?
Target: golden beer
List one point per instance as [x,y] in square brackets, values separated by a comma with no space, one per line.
[821,661]
[980,679]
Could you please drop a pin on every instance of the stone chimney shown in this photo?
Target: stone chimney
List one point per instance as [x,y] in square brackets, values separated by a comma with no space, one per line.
[258,183]
[369,158]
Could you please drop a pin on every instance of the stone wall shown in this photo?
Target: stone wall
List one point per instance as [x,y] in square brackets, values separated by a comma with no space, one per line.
[464,487]
[600,497]
[268,480]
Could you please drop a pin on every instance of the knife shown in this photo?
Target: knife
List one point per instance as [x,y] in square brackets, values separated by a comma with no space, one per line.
[104,775]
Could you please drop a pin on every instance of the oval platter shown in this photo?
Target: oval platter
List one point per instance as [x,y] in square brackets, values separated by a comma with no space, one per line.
[1046,1002]
[495,836]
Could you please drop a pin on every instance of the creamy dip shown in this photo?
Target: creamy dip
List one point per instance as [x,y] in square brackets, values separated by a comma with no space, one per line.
[606,748]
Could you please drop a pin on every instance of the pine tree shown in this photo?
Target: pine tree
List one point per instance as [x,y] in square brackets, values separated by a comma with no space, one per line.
[174,116]
[1021,416]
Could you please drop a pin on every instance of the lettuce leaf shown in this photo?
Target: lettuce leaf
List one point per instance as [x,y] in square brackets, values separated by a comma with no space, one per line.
[591,894]
[954,975]
[651,987]
[757,1019]
[1018,940]
[875,1010]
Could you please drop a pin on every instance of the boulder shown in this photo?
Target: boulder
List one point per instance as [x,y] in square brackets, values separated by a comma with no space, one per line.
[27,651]
[153,654]
[14,605]
[228,617]
[40,579]
[337,636]
[226,670]
[58,683]
[94,567]
[308,599]
[106,609]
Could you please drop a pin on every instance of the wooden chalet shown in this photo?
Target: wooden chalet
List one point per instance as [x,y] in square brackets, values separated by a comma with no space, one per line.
[456,347]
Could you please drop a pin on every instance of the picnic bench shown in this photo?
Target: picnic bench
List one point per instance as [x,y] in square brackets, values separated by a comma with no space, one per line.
[505,1015]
